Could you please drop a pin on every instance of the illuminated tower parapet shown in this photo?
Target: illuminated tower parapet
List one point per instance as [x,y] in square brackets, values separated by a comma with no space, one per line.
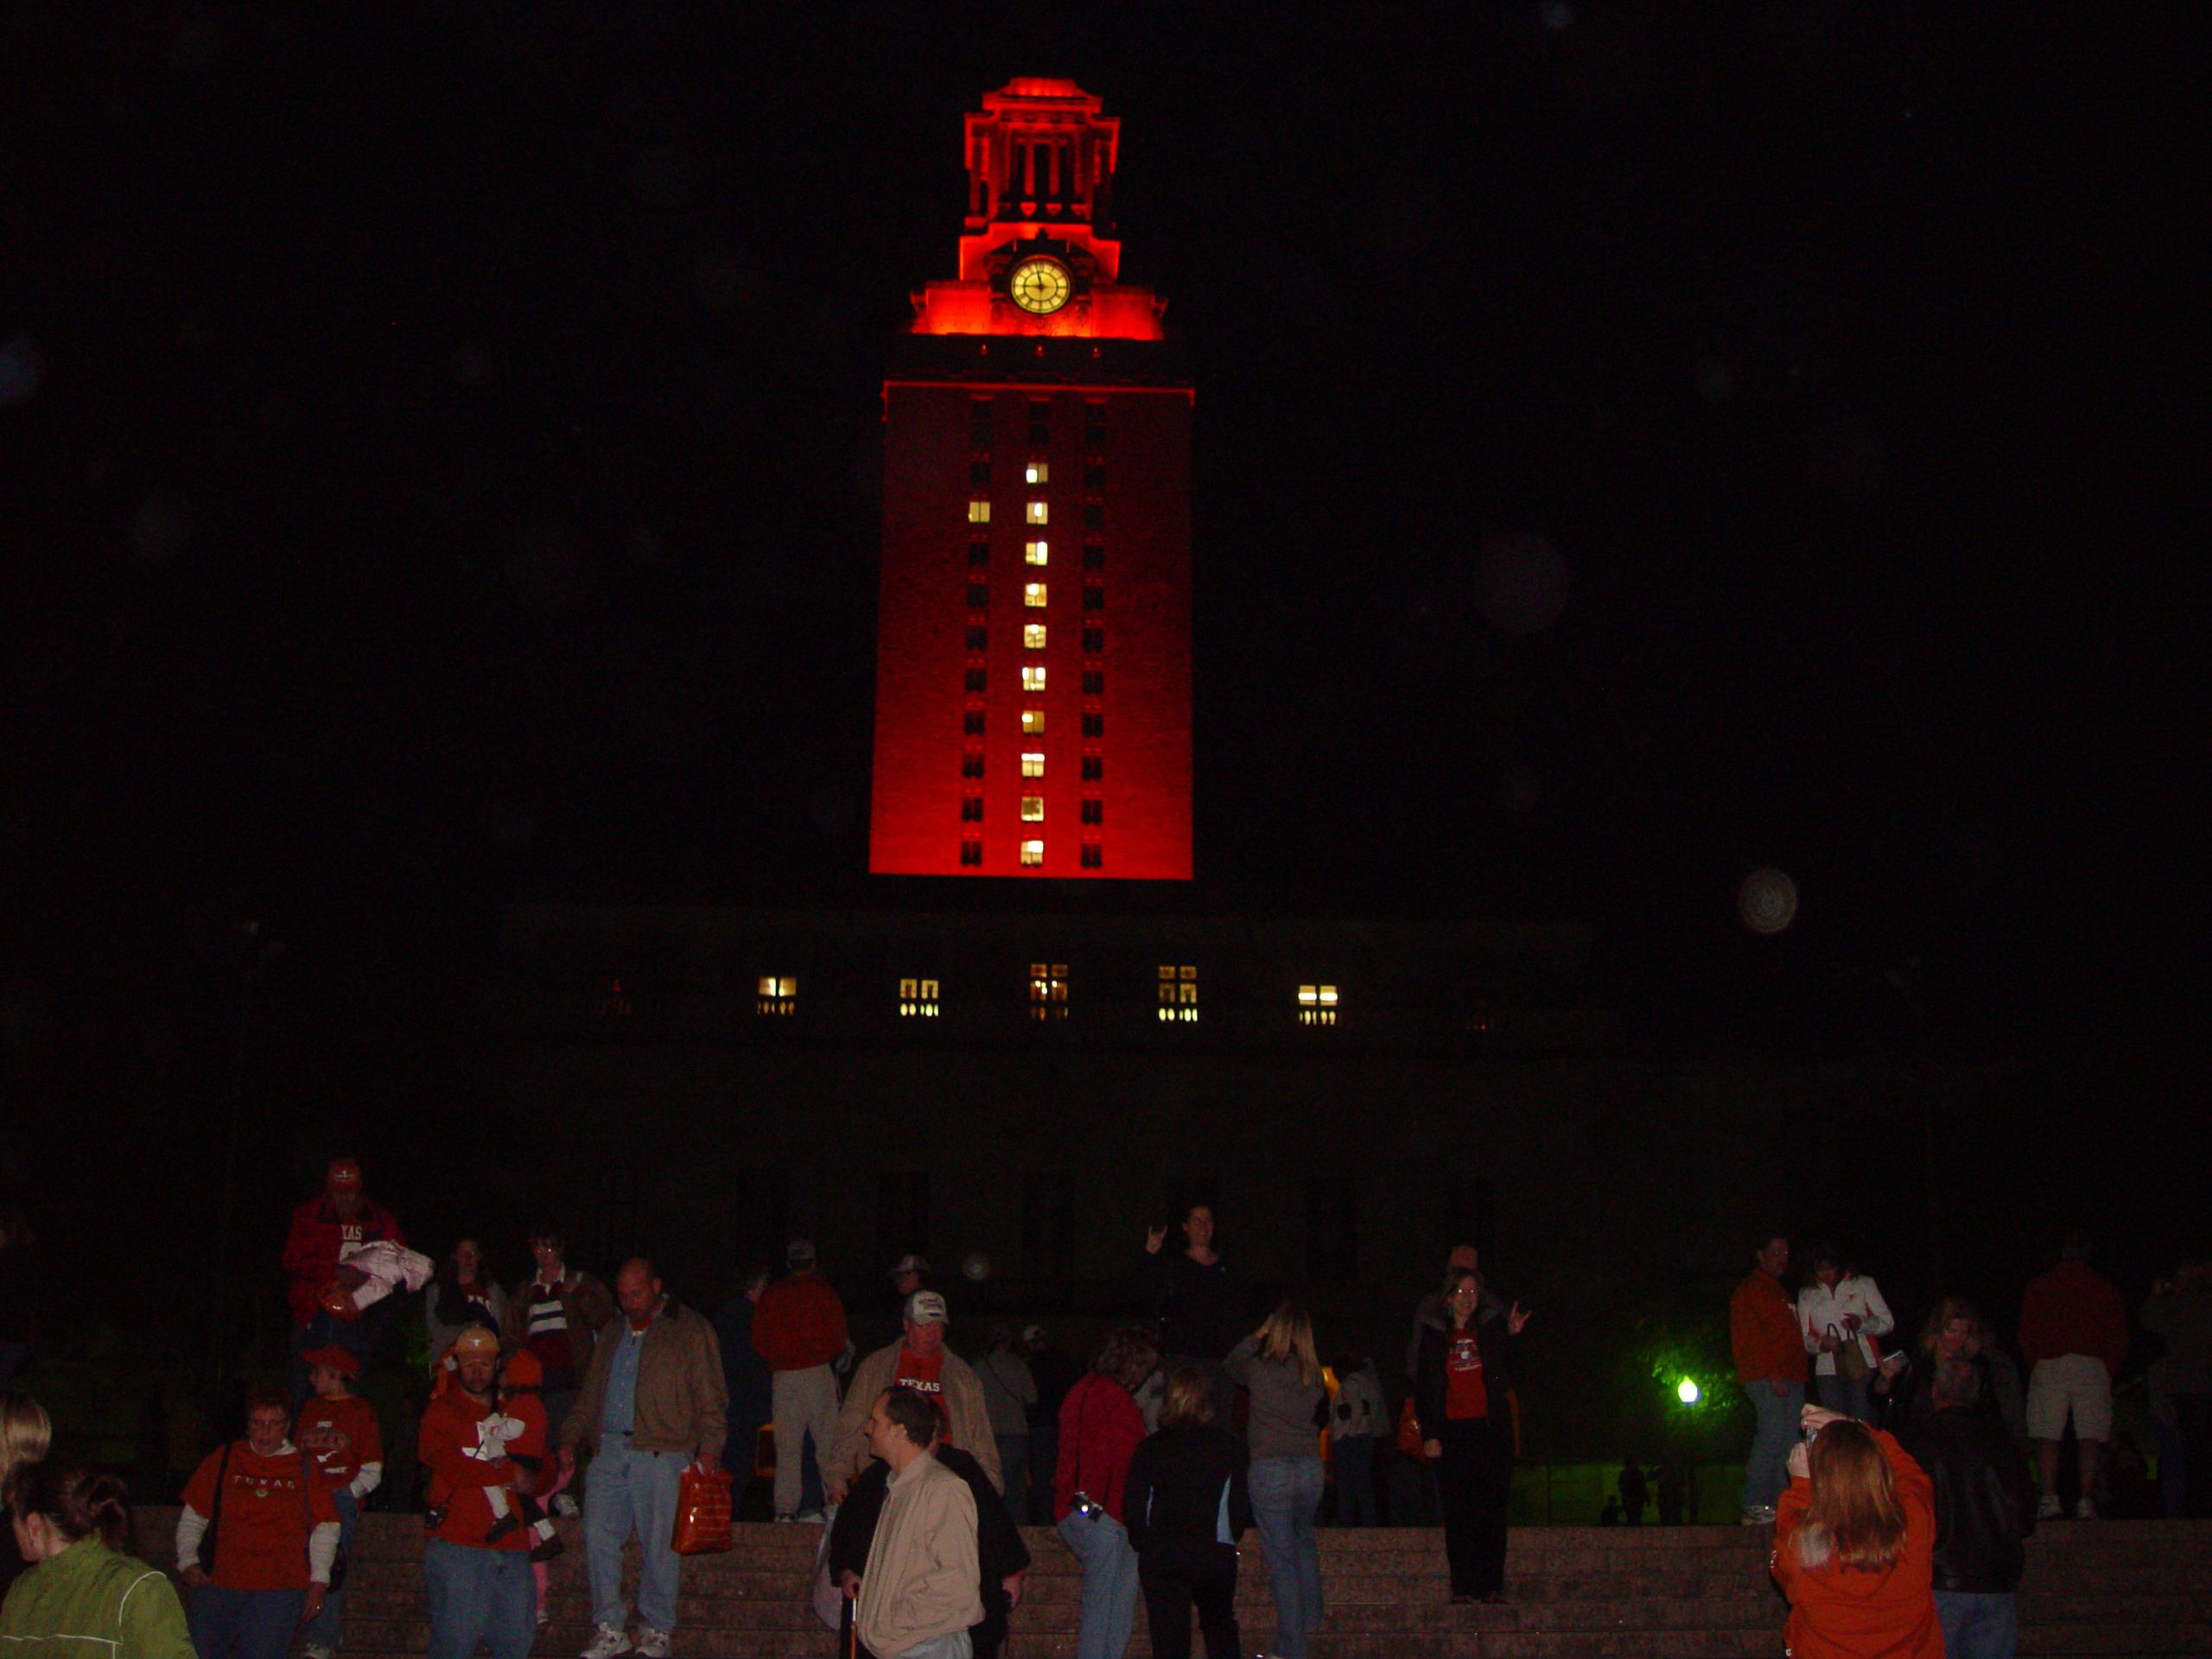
[1033,655]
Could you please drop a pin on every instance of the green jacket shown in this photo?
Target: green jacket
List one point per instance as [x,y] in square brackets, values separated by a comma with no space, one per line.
[90,1603]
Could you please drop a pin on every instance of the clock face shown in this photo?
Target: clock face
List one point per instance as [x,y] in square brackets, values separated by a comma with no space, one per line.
[1041,286]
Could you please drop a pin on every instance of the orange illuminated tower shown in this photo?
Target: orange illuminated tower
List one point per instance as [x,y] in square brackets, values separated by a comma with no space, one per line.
[1032,704]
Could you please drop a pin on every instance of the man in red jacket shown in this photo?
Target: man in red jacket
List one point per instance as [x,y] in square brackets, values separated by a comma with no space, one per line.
[1770,1365]
[799,1329]
[321,1229]
[2074,1333]
[476,1561]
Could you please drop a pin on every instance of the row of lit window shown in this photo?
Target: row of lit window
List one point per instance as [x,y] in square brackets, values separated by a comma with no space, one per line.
[1048,987]
[1037,472]
[1032,808]
[1036,596]
[1035,511]
[1032,674]
[1032,725]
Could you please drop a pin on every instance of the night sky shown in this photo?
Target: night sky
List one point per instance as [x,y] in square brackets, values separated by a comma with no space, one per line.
[1635,445]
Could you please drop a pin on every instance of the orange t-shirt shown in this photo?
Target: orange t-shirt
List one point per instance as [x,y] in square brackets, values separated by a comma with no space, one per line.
[453,1429]
[340,1435]
[268,1507]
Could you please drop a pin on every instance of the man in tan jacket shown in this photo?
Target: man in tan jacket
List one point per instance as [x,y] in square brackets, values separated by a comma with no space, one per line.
[919,1361]
[653,1403]
[918,1592]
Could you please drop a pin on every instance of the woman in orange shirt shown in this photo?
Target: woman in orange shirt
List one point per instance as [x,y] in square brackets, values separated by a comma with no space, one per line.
[1852,1546]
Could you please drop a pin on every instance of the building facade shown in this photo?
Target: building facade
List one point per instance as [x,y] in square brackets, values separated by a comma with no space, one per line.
[1033,711]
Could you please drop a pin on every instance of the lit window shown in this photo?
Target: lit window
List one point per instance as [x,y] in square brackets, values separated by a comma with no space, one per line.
[1037,552]
[1179,994]
[979,510]
[777,996]
[1032,763]
[1041,512]
[1033,636]
[1033,596]
[1032,852]
[1048,980]
[1032,678]
[1035,473]
[1032,808]
[1033,722]
[917,999]
[1317,1005]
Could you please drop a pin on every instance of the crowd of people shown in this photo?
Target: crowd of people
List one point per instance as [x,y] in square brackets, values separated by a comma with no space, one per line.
[1899,1494]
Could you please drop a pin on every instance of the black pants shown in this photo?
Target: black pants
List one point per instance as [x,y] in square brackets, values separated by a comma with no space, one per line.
[1176,1581]
[1475,1476]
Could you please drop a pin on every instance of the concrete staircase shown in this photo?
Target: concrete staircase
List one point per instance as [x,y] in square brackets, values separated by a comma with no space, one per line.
[2093,1589]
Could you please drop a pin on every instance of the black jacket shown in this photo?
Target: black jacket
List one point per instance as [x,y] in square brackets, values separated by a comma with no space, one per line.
[999,1548]
[1983,1506]
[1501,1354]
[1172,1500]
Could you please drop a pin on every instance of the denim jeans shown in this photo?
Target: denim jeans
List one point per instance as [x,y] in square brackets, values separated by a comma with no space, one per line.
[1766,1469]
[1848,1395]
[1286,1496]
[632,1491]
[322,1629]
[486,1595]
[1978,1625]
[1109,1583]
[250,1624]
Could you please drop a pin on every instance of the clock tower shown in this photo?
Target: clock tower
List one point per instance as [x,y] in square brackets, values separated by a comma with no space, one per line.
[1033,706]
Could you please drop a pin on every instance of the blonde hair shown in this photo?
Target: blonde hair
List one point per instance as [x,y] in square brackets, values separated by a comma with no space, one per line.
[1189,1399]
[1288,1335]
[1854,1518]
[25,1433]
[1952,1307]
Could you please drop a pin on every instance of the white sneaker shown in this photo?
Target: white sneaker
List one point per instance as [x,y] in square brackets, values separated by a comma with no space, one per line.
[2050,1509]
[651,1644]
[1760,1517]
[606,1641]
[562,1504]
[316,1650]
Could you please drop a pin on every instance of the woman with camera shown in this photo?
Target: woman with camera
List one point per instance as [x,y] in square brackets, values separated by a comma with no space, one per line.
[1100,1430]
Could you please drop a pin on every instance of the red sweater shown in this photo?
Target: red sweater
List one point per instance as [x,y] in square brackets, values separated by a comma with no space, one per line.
[268,1507]
[2071,1311]
[452,1429]
[799,1324]
[311,1248]
[1762,1331]
[1100,1430]
[1851,1612]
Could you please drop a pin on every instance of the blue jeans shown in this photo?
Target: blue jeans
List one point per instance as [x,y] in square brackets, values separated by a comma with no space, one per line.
[632,1491]
[1766,1469]
[1286,1496]
[1849,1395]
[322,1629]
[250,1623]
[1109,1583]
[488,1595]
[1978,1625]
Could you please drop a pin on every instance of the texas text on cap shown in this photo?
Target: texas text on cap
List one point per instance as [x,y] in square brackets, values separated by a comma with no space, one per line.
[926,1307]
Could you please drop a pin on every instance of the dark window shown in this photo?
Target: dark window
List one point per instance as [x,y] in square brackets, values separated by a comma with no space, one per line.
[1094,557]
[1094,598]
[1094,811]
[971,852]
[971,722]
[971,764]
[978,638]
[971,808]
[1094,768]
[979,472]
[1331,1227]
[1094,513]
[1093,476]
[979,554]
[1094,683]
[980,436]
[979,595]
[1092,855]
[974,680]
[1093,725]
[1094,640]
